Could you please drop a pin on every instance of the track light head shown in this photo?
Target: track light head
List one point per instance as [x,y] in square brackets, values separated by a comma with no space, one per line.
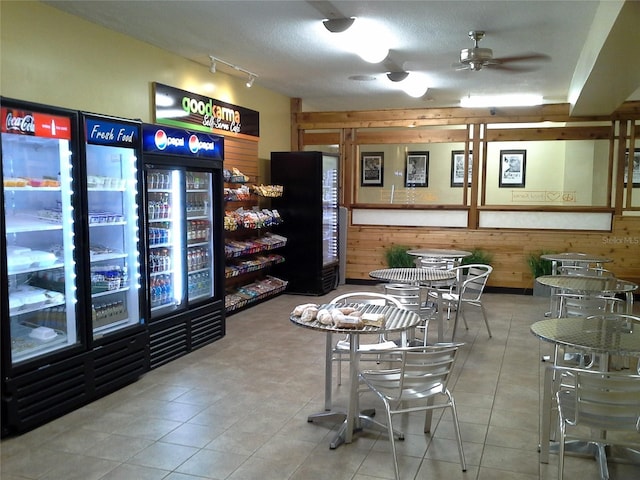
[338,25]
[252,79]
[212,69]
[397,76]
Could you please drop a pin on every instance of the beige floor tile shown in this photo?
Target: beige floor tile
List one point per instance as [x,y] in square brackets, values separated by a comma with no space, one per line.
[237,409]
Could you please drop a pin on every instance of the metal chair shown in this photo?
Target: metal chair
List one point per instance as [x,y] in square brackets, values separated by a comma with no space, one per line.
[421,379]
[578,305]
[585,271]
[412,298]
[342,347]
[598,403]
[467,291]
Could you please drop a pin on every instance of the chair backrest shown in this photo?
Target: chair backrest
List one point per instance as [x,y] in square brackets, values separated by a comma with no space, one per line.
[423,371]
[437,263]
[584,271]
[370,298]
[578,305]
[473,280]
[408,295]
[604,400]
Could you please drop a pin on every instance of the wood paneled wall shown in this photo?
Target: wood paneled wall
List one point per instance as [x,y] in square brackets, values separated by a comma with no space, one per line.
[510,248]
[243,155]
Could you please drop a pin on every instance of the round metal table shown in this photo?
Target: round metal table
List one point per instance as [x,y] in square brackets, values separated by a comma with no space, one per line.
[396,320]
[591,285]
[439,253]
[603,335]
[420,276]
[570,258]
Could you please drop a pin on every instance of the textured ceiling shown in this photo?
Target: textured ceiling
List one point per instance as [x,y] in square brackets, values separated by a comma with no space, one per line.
[286,45]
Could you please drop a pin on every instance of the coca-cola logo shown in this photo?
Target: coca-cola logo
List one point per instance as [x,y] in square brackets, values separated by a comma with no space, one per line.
[23,124]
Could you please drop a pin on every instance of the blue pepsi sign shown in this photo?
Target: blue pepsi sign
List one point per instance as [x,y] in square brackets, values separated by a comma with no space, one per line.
[174,141]
[101,132]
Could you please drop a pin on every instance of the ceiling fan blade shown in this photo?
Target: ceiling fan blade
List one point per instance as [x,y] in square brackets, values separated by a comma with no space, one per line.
[526,57]
[510,68]
[460,66]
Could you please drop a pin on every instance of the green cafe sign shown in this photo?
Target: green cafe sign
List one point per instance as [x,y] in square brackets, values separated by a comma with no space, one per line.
[179,108]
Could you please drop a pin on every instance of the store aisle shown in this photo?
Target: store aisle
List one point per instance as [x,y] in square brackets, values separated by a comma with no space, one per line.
[237,409]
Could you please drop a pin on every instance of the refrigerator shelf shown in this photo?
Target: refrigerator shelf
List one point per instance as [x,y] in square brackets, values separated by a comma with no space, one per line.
[102,290]
[31,189]
[31,269]
[163,272]
[101,257]
[24,222]
[25,346]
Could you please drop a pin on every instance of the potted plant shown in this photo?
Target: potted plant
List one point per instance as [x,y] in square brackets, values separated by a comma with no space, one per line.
[539,267]
[397,257]
[478,256]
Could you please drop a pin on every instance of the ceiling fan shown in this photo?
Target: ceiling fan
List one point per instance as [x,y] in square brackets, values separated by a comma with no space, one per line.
[477,58]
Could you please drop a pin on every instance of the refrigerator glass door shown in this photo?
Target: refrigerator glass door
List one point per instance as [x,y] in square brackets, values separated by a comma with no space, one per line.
[165,240]
[329,209]
[199,238]
[113,237]
[39,229]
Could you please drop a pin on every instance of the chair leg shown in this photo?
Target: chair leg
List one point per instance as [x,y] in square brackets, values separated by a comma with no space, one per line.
[561,451]
[486,322]
[393,443]
[456,427]
[455,319]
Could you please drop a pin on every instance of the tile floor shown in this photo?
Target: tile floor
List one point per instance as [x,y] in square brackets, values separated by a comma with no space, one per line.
[237,409]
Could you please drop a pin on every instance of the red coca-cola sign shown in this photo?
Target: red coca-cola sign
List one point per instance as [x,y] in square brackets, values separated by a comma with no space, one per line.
[23,122]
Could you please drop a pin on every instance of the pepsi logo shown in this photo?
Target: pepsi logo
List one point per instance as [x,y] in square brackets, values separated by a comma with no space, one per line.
[161,139]
[194,144]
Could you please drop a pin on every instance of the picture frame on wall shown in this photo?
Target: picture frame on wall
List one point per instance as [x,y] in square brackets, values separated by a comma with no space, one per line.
[371,169]
[513,167]
[635,174]
[417,169]
[457,168]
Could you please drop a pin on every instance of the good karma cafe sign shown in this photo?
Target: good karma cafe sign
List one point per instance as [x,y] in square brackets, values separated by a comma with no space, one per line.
[179,108]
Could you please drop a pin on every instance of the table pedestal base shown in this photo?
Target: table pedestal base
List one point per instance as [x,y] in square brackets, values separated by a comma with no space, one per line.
[601,452]
[364,421]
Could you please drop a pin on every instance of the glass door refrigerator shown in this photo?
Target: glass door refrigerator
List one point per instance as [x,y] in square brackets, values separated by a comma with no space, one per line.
[43,346]
[184,243]
[309,208]
[110,253]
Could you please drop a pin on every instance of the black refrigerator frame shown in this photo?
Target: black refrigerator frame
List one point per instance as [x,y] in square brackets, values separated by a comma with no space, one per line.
[119,357]
[38,390]
[301,208]
[185,329]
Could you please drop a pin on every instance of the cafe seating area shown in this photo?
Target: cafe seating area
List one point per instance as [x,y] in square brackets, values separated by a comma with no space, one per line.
[238,409]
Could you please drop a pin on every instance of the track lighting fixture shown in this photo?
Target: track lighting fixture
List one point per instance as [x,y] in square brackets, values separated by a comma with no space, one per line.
[338,25]
[213,69]
[397,76]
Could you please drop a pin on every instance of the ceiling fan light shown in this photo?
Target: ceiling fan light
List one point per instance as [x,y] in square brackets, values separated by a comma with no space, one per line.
[372,52]
[415,85]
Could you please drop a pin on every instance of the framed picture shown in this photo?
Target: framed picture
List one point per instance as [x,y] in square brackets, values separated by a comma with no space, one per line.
[513,165]
[457,168]
[417,169]
[635,178]
[372,169]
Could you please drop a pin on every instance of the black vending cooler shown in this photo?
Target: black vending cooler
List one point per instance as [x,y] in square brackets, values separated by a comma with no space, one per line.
[309,207]
[184,243]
